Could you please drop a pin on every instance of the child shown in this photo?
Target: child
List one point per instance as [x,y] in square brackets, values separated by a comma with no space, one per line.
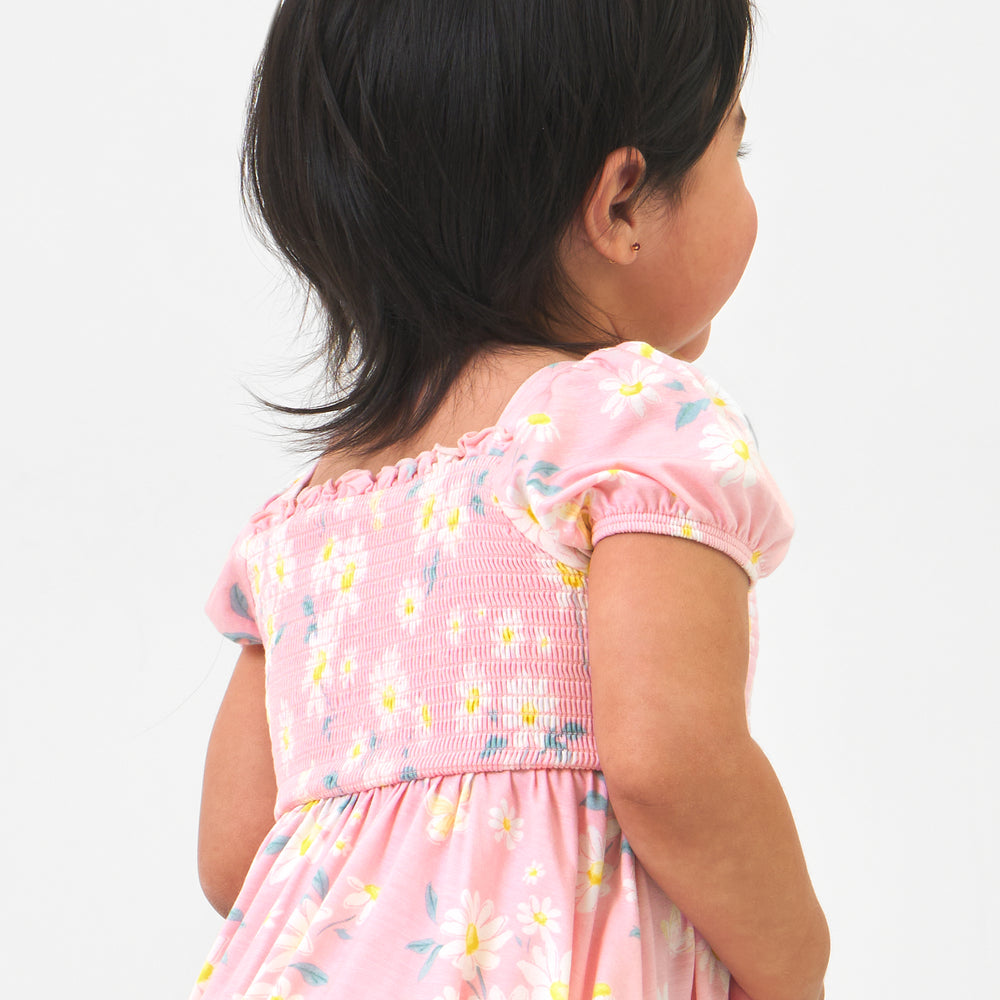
[487,736]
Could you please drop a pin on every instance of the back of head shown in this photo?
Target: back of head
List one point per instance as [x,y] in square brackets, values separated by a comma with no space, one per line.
[419,161]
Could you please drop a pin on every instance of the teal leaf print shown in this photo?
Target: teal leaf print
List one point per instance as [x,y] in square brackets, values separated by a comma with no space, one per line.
[477,505]
[574,730]
[635,932]
[431,901]
[308,608]
[481,478]
[430,961]
[431,572]
[277,845]
[493,745]
[690,411]
[343,935]
[408,774]
[310,631]
[330,781]
[421,947]
[543,469]
[675,385]
[277,638]
[546,489]
[236,916]
[242,637]
[596,801]
[321,883]
[312,975]
[239,603]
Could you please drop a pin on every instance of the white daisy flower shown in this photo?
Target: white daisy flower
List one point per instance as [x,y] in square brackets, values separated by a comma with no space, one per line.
[527,704]
[591,876]
[508,635]
[480,936]
[533,872]
[731,451]
[295,937]
[410,605]
[537,427]
[547,973]
[632,390]
[455,626]
[363,898]
[538,916]
[447,817]
[268,989]
[678,932]
[508,826]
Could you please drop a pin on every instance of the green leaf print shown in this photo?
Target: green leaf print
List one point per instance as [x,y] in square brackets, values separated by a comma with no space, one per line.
[690,411]
[595,801]
[312,975]
[321,883]
[239,603]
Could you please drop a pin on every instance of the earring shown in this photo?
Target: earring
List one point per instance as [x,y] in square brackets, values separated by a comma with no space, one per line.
[635,248]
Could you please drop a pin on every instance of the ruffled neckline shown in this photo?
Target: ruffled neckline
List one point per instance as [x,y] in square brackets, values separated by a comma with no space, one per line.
[358,481]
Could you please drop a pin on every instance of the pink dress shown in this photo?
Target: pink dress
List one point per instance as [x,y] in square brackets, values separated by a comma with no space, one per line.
[442,826]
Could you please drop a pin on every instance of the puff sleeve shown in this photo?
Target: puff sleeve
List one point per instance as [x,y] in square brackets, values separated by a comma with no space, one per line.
[632,440]
[231,606]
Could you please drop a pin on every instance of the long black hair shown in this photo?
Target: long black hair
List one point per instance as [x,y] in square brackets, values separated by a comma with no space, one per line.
[418,161]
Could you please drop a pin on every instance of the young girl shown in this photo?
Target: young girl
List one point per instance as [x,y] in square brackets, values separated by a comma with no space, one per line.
[487,736]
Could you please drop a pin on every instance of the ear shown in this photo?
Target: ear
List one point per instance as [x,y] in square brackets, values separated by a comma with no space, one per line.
[607,217]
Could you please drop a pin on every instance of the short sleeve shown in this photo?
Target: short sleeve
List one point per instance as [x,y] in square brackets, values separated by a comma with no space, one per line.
[231,607]
[632,440]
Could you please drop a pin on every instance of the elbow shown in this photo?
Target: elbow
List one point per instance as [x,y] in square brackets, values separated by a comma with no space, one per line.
[219,885]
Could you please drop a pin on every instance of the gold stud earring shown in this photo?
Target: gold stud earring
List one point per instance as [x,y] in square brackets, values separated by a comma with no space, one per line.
[635,248]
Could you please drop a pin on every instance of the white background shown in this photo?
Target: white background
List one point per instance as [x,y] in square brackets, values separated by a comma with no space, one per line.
[862,343]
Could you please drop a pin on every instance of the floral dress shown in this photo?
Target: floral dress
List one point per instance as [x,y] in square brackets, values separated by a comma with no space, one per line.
[443,829]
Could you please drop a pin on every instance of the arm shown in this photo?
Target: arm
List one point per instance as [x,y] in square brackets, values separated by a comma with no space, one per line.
[694,794]
[239,788]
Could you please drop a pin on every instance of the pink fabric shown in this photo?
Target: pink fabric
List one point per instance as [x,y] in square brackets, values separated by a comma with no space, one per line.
[442,828]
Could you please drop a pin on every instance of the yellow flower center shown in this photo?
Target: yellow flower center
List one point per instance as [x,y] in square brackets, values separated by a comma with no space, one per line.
[340,844]
[645,350]
[540,918]
[571,577]
[347,580]
[279,569]
[456,626]
[471,939]
[596,872]
[755,558]
[741,449]
[286,737]
[453,518]
[631,390]
[206,973]
[472,701]
[307,842]
[718,401]
[356,750]
[409,606]
[687,531]
[506,823]
[543,643]
[320,667]
[425,714]
[256,578]
[559,991]
[507,635]
[539,419]
[389,699]
[373,891]
[347,667]
[428,513]
[601,990]
[528,713]
[328,550]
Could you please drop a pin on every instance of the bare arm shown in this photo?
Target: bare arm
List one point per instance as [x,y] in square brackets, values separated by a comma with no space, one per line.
[695,795]
[239,788]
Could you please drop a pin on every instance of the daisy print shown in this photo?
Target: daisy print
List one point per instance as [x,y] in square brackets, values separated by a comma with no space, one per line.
[538,917]
[363,898]
[268,989]
[591,876]
[533,872]
[453,520]
[448,816]
[547,973]
[347,568]
[508,635]
[731,452]
[455,626]
[295,937]
[508,827]
[389,689]
[479,936]
[631,390]
[537,427]
[410,605]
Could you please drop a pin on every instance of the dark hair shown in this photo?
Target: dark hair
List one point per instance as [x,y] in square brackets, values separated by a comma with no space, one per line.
[418,161]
